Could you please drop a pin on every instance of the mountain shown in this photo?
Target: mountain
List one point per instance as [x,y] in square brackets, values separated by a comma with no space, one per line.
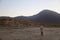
[47,16]
[4,17]
[22,18]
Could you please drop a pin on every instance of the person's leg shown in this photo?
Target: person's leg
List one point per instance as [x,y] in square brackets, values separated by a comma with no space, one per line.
[41,33]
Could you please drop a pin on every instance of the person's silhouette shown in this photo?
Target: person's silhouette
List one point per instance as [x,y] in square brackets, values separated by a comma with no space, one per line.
[41,29]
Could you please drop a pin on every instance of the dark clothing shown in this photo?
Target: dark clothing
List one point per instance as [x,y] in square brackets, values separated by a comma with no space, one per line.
[41,33]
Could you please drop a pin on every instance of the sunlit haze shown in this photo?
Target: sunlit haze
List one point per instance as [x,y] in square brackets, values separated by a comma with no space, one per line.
[27,7]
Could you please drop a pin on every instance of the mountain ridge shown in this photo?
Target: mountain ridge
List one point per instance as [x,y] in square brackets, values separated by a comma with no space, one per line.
[45,16]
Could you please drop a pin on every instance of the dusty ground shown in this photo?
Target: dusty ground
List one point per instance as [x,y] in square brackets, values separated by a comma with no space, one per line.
[30,34]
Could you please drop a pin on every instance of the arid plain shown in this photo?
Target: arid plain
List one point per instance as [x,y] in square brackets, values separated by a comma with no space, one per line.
[30,33]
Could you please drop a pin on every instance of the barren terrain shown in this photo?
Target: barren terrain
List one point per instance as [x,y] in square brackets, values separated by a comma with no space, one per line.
[32,33]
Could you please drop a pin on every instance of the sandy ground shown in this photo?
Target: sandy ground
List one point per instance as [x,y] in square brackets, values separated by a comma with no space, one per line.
[30,34]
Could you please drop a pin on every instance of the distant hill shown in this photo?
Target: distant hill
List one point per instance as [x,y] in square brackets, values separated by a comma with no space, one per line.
[22,18]
[43,16]
[4,17]
[47,16]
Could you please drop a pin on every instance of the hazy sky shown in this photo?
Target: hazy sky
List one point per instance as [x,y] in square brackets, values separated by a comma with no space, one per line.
[27,7]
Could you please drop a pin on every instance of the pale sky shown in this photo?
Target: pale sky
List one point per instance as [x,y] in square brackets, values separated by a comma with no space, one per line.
[27,7]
